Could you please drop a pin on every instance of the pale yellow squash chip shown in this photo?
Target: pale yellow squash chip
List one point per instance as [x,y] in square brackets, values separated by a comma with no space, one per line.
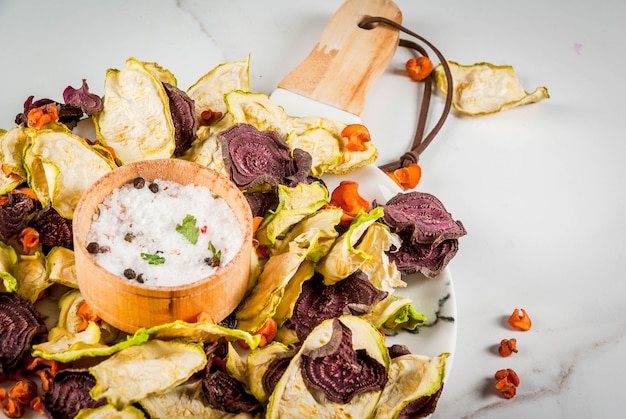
[61,266]
[61,166]
[136,120]
[12,143]
[484,88]
[110,412]
[208,92]
[31,275]
[187,401]
[140,371]
[411,377]
[321,144]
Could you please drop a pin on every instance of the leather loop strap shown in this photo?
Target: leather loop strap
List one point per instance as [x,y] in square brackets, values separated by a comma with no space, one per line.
[420,140]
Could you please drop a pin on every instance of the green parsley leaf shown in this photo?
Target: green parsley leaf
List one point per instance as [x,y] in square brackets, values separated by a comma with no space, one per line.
[153,259]
[188,229]
[216,253]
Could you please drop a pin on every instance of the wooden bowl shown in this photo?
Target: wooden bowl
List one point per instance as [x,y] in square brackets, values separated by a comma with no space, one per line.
[128,305]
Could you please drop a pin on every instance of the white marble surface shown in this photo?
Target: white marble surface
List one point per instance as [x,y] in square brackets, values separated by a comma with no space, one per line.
[539,189]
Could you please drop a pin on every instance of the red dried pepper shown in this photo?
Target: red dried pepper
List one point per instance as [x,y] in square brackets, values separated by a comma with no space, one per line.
[507,347]
[267,332]
[407,177]
[209,116]
[87,314]
[29,237]
[346,196]
[39,117]
[520,321]
[419,68]
[357,136]
[507,382]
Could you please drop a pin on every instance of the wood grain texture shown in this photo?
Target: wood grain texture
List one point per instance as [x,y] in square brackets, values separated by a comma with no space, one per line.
[347,60]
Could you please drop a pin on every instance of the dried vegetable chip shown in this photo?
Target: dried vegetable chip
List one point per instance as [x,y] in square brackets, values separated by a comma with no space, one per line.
[208,92]
[294,398]
[415,383]
[186,402]
[61,266]
[259,362]
[32,277]
[344,258]
[65,346]
[294,205]
[293,290]
[267,293]
[136,120]
[69,393]
[485,88]
[61,166]
[19,323]
[200,332]
[394,313]
[12,144]
[8,265]
[206,150]
[110,412]
[150,368]
[324,221]
[333,157]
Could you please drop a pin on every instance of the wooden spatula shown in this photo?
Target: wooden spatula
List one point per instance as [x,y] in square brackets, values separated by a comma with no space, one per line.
[335,77]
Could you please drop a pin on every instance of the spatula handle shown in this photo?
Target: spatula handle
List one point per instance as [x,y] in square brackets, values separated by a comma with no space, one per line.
[347,60]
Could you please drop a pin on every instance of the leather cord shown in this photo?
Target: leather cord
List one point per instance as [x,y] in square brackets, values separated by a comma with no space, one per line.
[420,140]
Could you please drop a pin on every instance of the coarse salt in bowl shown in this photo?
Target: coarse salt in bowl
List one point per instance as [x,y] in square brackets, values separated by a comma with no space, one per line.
[170,250]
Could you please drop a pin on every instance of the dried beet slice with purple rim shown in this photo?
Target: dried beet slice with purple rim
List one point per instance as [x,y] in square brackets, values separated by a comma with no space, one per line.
[226,393]
[340,371]
[54,230]
[275,371]
[422,407]
[68,394]
[261,202]
[318,302]
[254,157]
[182,108]
[90,103]
[430,261]
[14,214]
[19,323]
[422,217]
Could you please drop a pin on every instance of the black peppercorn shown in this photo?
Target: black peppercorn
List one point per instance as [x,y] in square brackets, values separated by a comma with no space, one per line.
[139,278]
[139,182]
[93,248]
[153,187]
[212,261]
[129,273]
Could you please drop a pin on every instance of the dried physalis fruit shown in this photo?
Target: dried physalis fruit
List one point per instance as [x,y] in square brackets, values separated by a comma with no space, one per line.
[484,88]
[507,347]
[519,320]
